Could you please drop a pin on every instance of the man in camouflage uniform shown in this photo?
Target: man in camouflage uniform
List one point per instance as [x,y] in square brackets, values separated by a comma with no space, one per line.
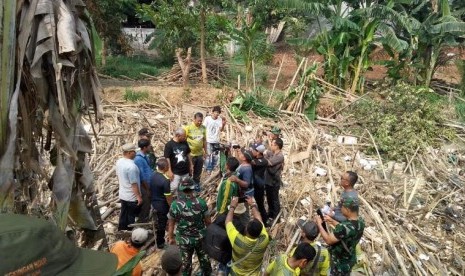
[344,238]
[191,215]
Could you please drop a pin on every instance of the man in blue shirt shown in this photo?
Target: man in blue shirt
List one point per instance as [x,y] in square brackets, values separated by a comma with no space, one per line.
[143,164]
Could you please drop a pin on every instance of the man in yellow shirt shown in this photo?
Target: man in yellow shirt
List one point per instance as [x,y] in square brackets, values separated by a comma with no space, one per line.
[196,134]
[289,266]
[320,265]
[127,250]
[248,249]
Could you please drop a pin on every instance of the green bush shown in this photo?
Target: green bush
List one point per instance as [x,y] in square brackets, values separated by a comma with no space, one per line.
[408,117]
[134,96]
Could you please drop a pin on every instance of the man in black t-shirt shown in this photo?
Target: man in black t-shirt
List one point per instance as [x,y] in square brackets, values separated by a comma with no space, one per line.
[179,160]
[161,198]
[259,166]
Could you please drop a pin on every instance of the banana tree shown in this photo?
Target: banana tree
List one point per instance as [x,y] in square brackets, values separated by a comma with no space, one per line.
[55,85]
[252,41]
[348,43]
[438,30]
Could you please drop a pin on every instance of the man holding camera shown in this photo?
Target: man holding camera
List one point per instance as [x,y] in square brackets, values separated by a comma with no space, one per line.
[344,238]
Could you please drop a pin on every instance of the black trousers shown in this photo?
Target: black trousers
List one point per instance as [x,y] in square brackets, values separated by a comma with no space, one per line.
[144,213]
[272,197]
[259,196]
[161,208]
[198,167]
[129,211]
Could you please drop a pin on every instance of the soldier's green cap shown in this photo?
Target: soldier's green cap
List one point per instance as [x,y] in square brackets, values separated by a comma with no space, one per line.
[31,246]
[276,130]
[186,184]
[350,202]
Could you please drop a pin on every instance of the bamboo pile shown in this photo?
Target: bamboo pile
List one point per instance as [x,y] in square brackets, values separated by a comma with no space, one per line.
[216,71]
[413,210]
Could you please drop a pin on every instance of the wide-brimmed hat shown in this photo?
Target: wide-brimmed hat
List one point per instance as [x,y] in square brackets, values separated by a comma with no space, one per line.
[186,184]
[31,246]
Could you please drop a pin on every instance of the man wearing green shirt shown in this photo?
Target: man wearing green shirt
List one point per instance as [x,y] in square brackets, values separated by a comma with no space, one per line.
[284,265]
[191,216]
[196,135]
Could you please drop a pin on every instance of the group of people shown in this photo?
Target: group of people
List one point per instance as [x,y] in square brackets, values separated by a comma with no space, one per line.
[170,186]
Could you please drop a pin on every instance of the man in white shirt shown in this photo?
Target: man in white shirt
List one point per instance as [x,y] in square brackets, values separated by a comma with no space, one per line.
[214,125]
[129,187]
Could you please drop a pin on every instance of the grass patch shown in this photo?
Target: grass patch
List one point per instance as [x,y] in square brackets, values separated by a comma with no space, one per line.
[131,95]
[132,66]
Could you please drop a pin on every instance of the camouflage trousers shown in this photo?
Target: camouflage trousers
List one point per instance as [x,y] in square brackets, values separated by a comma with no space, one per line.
[187,251]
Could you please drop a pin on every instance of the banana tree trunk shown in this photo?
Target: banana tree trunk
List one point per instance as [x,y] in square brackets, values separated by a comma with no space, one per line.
[431,65]
[7,108]
[7,66]
[202,45]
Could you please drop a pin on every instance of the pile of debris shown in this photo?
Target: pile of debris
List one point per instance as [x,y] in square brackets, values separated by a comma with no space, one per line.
[216,71]
[413,210]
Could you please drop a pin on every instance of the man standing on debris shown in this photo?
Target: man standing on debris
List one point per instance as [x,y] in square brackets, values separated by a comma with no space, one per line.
[248,249]
[273,134]
[345,237]
[177,153]
[143,164]
[348,180]
[259,166]
[196,138]
[214,124]
[273,180]
[144,133]
[125,251]
[227,188]
[244,174]
[309,233]
[161,198]
[129,183]
[190,213]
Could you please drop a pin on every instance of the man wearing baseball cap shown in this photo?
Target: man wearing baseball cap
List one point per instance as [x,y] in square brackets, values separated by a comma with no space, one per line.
[244,174]
[309,233]
[129,186]
[344,238]
[128,250]
[32,246]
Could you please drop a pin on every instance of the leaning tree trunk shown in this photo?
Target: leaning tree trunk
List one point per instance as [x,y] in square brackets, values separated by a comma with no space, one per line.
[56,84]
[202,45]
[185,65]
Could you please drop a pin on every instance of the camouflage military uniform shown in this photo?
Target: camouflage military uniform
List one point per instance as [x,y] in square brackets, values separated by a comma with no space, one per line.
[343,257]
[189,214]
